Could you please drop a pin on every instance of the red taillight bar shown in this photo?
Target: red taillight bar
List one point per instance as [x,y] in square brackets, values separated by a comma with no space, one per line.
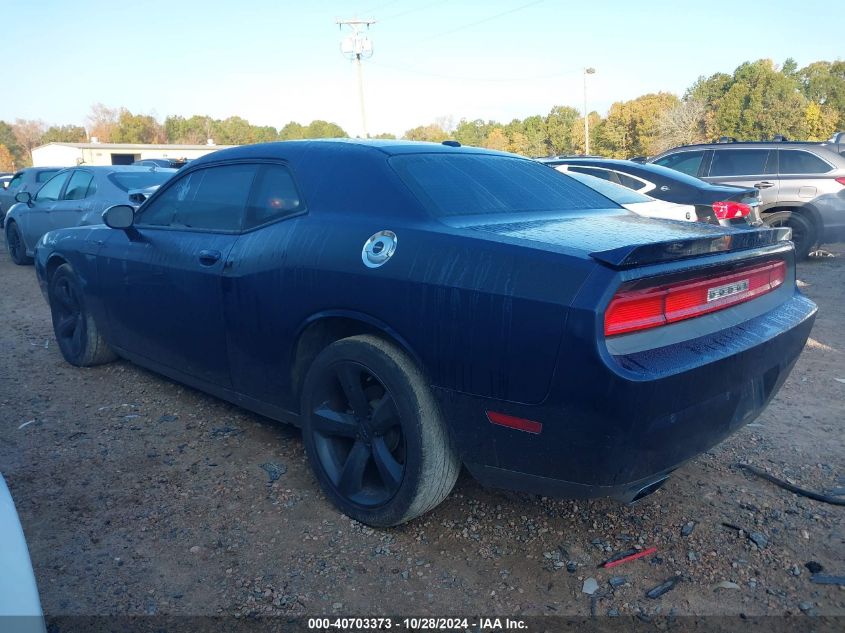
[841,180]
[641,309]
[727,210]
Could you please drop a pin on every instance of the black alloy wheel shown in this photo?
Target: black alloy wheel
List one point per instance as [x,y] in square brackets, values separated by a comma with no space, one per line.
[358,435]
[68,317]
[14,242]
[76,330]
[374,434]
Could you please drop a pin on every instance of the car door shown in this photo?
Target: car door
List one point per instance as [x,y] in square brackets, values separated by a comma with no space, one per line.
[35,221]
[257,303]
[746,167]
[162,281]
[74,202]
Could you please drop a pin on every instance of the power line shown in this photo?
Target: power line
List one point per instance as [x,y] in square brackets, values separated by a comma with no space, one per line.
[482,21]
[481,79]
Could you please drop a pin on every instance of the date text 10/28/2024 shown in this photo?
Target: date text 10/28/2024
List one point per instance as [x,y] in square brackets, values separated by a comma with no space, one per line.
[416,624]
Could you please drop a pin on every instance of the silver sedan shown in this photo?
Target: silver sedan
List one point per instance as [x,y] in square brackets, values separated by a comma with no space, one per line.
[73,197]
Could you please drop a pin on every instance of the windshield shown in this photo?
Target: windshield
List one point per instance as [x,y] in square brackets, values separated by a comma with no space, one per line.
[617,193]
[452,185]
[127,180]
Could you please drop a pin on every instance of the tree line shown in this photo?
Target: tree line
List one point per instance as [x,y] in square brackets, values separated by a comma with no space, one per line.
[757,101]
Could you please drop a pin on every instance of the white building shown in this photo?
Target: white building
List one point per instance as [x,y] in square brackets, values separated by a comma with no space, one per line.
[71,154]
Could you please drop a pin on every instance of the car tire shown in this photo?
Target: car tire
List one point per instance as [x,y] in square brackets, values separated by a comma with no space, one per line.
[374,434]
[16,246]
[804,234]
[76,331]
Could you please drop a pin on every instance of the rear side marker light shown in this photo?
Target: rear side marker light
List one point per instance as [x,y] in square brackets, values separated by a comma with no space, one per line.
[513,422]
[726,210]
[641,309]
[841,180]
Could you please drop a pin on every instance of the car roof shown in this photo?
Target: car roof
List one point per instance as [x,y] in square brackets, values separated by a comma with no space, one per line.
[352,147]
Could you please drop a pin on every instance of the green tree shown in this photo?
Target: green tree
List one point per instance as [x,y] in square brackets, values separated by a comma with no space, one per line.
[291,132]
[65,134]
[760,103]
[432,132]
[819,121]
[195,130]
[137,128]
[472,133]
[824,83]
[633,127]
[265,134]
[497,139]
[559,124]
[324,129]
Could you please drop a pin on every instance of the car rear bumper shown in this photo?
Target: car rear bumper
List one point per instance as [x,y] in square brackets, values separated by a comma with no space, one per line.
[614,428]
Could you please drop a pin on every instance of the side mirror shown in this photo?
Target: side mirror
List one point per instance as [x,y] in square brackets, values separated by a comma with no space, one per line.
[23,196]
[119,216]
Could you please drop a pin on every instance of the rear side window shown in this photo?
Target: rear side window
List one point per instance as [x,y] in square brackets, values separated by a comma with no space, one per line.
[604,174]
[44,176]
[214,198]
[274,195]
[620,194]
[78,186]
[685,162]
[793,161]
[452,185]
[739,162]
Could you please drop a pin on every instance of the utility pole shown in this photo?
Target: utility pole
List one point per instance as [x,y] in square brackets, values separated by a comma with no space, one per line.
[587,71]
[356,47]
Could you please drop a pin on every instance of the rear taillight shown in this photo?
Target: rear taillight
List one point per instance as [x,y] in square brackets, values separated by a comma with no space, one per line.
[644,308]
[726,210]
[841,181]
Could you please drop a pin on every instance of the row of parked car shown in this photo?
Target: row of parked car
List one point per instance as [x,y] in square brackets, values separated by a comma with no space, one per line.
[781,184]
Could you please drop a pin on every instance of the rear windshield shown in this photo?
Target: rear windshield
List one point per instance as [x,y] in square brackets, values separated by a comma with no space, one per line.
[617,193]
[453,185]
[127,180]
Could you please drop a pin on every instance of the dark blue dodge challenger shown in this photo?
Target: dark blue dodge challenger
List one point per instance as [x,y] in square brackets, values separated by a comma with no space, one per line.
[414,307]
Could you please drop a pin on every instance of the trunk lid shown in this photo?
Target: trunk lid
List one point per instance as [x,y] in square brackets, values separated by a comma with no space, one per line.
[624,241]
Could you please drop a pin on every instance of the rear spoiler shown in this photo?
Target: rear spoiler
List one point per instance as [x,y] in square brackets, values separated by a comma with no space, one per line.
[657,252]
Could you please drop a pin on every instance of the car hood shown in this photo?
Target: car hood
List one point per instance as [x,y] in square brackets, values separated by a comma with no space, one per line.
[631,240]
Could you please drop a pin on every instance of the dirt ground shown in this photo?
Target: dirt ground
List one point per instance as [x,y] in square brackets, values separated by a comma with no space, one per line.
[140,496]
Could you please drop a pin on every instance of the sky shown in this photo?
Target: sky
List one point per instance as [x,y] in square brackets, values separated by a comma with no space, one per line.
[272,62]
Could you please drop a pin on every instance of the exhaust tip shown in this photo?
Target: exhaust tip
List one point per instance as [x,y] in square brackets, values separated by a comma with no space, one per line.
[645,491]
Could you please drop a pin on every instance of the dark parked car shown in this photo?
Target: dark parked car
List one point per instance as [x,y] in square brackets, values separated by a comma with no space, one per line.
[73,197]
[802,185]
[29,179]
[722,204]
[169,163]
[415,306]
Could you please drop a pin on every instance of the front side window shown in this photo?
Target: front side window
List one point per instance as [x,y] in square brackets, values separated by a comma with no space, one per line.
[15,182]
[78,185]
[214,198]
[52,188]
[793,161]
[739,162]
[684,162]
